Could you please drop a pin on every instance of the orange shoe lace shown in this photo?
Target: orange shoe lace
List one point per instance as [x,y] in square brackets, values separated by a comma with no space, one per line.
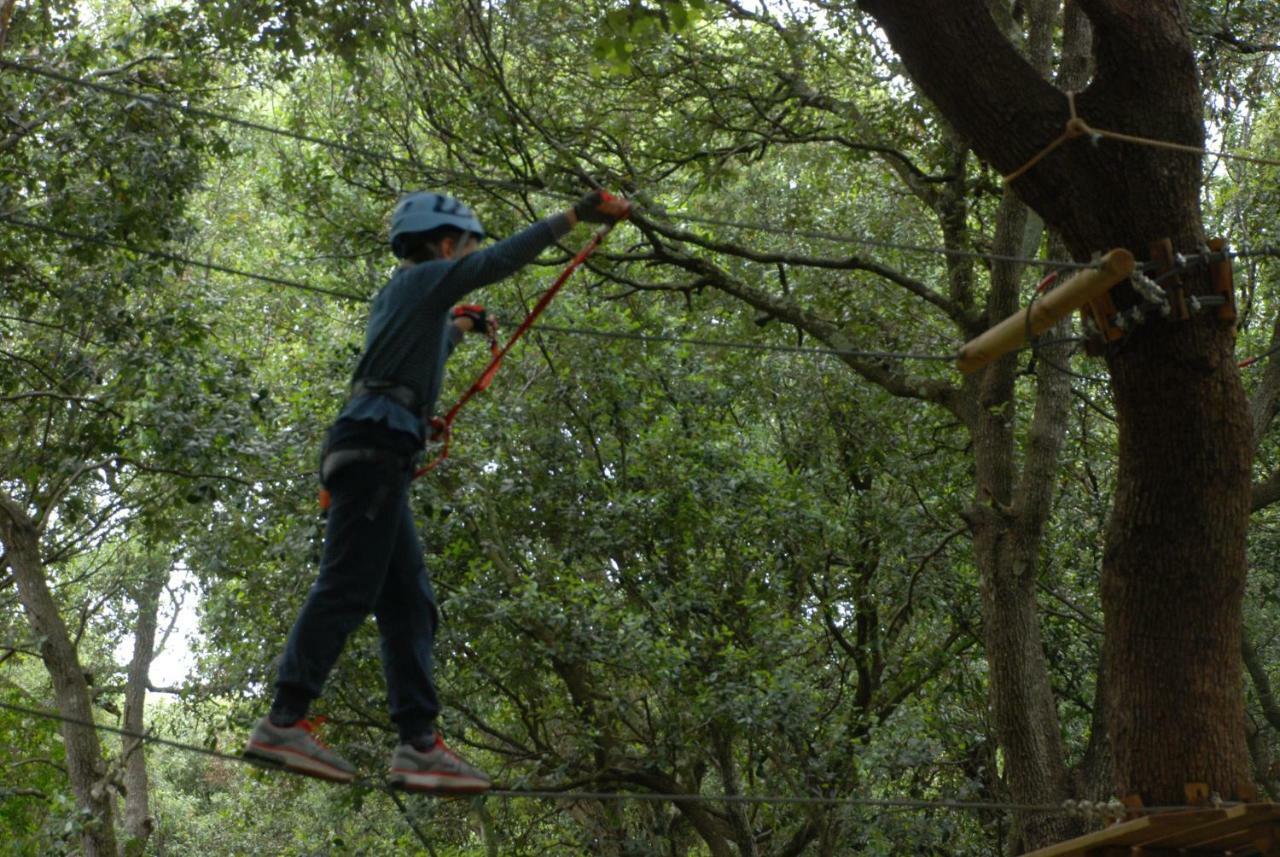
[311,725]
[447,749]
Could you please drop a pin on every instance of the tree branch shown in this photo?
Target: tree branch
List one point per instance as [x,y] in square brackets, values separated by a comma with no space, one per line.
[1261,682]
[917,288]
[59,491]
[10,508]
[186,474]
[1238,44]
[35,793]
[1000,104]
[713,829]
[1265,492]
[881,373]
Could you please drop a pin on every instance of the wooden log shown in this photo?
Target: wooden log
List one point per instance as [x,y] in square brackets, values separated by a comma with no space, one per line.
[1043,313]
[1221,276]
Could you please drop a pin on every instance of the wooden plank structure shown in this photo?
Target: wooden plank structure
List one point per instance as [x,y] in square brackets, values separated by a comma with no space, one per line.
[1243,830]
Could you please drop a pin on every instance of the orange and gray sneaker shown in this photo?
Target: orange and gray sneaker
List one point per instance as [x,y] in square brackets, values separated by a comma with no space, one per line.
[435,770]
[296,748]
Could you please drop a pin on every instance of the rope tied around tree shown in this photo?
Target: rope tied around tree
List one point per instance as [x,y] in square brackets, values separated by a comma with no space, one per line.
[1075,127]
[1078,127]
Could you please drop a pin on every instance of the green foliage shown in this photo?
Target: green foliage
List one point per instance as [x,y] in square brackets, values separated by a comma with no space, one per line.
[662,567]
[639,25]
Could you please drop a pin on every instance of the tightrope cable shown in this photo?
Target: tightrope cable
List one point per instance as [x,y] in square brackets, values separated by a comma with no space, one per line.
[1070,807]
[151,738]
[251,124]
[745,346]
[165,256]
[1075,127]
[655,210]
[147,737]
[73,235]
[837,238]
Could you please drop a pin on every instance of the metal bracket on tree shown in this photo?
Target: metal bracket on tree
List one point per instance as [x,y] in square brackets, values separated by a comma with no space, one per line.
[1164,286]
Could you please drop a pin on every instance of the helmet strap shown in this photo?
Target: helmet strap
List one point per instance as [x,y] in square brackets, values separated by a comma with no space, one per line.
[460,244]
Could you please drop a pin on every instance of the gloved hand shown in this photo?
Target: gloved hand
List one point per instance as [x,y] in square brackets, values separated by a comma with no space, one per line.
[475,312]
[600,206]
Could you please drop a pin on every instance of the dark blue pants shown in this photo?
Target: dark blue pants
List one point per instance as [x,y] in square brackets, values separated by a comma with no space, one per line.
[372,563]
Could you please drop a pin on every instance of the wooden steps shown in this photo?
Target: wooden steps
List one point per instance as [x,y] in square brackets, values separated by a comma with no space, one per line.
[1243,830]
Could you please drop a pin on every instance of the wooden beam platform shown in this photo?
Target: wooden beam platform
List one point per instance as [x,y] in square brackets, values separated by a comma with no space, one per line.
[1244,830]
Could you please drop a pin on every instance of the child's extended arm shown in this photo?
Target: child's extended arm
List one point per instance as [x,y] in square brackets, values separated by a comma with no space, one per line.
[504,258]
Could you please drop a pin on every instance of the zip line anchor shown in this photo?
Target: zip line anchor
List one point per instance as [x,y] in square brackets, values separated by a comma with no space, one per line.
[1086,286]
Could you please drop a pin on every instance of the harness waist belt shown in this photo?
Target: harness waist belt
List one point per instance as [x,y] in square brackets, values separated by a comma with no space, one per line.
[340,458]
[398,393]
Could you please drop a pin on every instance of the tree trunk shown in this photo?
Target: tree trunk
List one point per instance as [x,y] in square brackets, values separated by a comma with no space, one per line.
[1174,569]
[137,811]
[85,767]
[739,820]
[1173,573]
[1009,516]
[1007,521]
[6,15]
[1094,773]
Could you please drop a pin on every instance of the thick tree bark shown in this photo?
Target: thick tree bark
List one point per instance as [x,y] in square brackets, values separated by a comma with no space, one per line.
[1008,518]
[85,769]
[739,820]
[137,810]
[6,15]
[1173,580]
[1173,575]
[1007,521]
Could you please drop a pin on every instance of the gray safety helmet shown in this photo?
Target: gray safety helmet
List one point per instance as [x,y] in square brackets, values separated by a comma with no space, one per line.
[423,211]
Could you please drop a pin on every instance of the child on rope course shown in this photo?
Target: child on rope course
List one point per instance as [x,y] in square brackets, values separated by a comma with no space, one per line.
[372,561]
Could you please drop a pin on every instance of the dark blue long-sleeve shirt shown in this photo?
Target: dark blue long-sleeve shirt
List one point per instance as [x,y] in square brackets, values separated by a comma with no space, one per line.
[408,339]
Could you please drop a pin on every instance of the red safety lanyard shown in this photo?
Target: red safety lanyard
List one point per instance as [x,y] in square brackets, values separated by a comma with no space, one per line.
[443,426]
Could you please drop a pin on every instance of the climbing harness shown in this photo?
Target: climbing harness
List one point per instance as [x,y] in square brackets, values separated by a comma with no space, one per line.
[442,427]
[331,461]
[401,394]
